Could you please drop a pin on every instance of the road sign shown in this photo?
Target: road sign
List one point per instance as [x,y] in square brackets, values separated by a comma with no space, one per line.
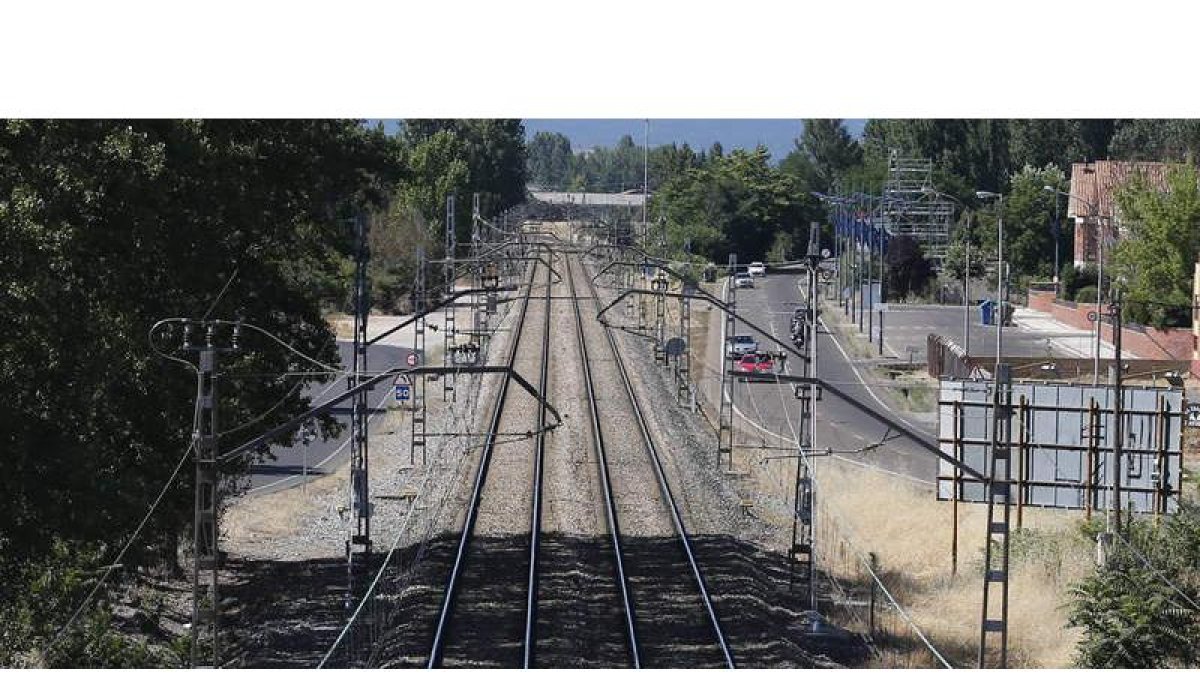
[403,392]
[675,346]
[411,359]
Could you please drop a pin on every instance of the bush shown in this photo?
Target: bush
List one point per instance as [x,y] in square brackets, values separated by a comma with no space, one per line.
[1086,294]
[1130,616]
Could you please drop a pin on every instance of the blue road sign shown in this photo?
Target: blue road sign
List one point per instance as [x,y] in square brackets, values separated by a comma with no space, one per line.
[403,392]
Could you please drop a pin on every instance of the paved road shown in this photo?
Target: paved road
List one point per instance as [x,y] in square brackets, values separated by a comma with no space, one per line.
[839,425]
[905,328]
[288,468]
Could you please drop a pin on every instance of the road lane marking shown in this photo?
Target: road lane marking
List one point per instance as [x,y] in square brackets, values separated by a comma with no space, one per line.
[331,455]
[867,387]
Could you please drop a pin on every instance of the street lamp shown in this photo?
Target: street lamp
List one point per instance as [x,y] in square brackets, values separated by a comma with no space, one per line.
[966,270]
[1095,211]
[1000,276]
[1057,229]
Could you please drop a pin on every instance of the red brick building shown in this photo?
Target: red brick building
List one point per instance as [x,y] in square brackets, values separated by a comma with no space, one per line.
[1093,202]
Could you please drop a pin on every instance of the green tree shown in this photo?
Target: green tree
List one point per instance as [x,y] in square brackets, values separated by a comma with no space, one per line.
[830,149]
[735,203]
[494,153]
[111,225]
[1156,140]
[974,151]
[550,159]
[1029,212]
[1154,261]
[1130,615]
[908,270]
[1042,142]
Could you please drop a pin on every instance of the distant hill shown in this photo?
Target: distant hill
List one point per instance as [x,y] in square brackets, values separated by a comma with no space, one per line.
[776,134]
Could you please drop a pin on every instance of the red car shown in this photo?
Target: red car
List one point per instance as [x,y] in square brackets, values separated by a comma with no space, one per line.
[755,363]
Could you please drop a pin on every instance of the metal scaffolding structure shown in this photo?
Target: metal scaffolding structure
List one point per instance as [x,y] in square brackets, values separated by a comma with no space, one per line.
[911,207]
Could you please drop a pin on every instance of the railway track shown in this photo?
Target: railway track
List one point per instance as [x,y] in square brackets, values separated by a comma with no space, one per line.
[472,620]
[672,620]
[610,578]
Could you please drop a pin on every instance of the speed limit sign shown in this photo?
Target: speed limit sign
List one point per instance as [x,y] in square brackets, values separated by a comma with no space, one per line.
[412,359]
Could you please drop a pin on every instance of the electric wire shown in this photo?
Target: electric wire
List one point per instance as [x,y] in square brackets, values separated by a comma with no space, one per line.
[1146,561]
[221,294]
[138,530]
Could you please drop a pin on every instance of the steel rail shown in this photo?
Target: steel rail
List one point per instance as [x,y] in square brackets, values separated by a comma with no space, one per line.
[652,451]
[452,584]
[610,504]
[535,524]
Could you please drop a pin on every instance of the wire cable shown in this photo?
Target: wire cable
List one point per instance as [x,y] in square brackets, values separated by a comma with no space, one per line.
[297,352]
[221,294]
[137,531]
[1145,561]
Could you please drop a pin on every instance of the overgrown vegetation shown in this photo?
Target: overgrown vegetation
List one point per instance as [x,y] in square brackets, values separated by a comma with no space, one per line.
[1142,608]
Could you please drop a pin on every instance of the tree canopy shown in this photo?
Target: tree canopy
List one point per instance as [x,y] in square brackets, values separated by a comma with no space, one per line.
[1153,263]
[735,203]
[110,226]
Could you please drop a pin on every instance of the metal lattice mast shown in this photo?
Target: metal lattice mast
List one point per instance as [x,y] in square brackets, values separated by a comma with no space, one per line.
[659,286]
[683,362]
[478,303]
[206,597]
[418,385]
[358,545]
[449,337]
[725,414]
[803,549]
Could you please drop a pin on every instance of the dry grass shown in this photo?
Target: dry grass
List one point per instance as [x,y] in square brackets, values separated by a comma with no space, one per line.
[911,534]
[909,390]
[279,515]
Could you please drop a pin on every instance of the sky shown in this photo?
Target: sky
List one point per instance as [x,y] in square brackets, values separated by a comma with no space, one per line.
[776,134]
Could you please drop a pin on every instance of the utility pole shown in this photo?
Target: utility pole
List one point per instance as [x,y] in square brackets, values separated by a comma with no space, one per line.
[1112,512]
[725,412]
[683,362]
[417,400]
[477,302]
[206,597]
[646,176]
[999,485]
[803,548]
[449,337]
[871,243]
[358,545]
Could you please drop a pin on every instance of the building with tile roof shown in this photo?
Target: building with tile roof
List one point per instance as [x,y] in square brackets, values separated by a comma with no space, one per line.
[1093,202]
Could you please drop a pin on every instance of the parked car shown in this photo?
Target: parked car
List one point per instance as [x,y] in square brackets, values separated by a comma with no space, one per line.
[758,362]
[757,269]
[740,345]
[743,280]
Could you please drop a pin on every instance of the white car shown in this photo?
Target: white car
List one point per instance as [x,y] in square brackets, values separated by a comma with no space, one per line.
[757,269]
[740,345]
[742,280]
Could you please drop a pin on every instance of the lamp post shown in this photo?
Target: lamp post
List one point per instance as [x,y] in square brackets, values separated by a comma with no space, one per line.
[966,270]
[1095,211]
[1000,275]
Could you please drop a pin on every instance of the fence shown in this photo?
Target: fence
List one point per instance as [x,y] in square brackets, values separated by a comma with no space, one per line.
[860,600]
